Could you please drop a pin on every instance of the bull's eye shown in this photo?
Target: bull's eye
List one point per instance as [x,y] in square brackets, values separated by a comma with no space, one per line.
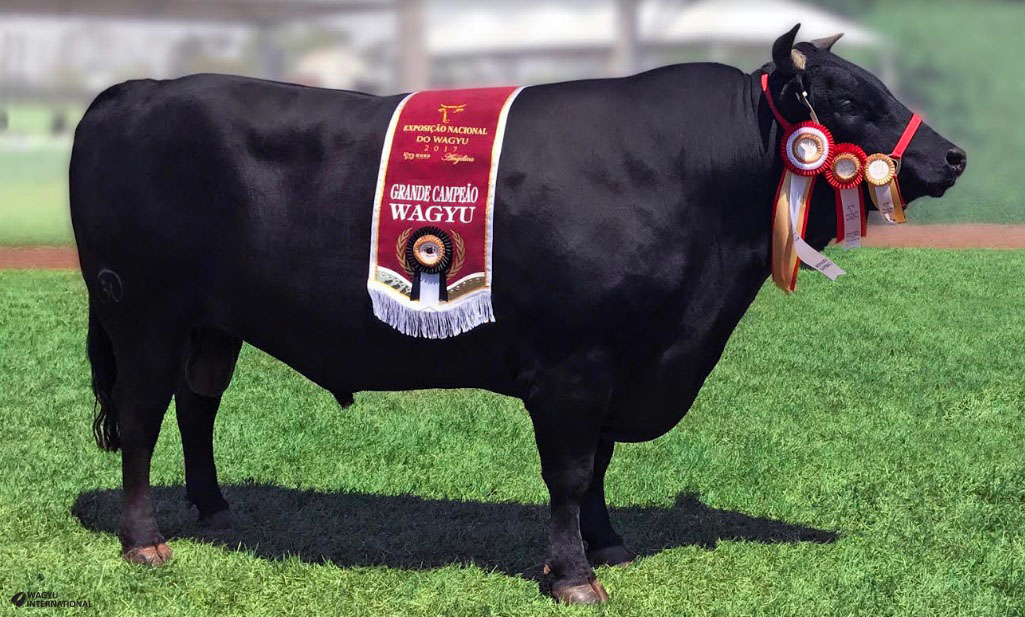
[845,106]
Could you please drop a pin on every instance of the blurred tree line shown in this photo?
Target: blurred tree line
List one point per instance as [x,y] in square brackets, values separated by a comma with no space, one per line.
[960,63]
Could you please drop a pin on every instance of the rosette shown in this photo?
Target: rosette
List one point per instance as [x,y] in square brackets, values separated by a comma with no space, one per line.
[881,175]
[429,255]
[806,149]
[845,173]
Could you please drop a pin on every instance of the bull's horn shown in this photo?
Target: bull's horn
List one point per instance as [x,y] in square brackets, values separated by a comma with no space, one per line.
[782,52]
[826,44]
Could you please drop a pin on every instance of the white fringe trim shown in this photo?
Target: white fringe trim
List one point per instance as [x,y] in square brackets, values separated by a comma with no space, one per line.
[434,322]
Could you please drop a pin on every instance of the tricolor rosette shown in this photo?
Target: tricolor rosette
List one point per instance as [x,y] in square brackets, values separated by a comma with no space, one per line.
[807,148]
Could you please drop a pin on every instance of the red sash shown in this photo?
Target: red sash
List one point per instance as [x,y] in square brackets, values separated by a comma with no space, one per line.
[430,256]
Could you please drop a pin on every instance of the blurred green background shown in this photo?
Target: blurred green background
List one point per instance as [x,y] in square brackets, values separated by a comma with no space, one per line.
[957,62]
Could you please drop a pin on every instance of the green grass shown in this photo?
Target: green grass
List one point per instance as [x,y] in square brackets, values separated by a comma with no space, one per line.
[29,119]
[888,408]
[33,179]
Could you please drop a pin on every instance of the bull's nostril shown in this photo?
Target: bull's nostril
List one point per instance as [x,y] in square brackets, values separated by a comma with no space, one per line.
[957,159]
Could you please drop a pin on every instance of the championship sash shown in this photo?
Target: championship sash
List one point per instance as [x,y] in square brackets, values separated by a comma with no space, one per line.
[431,234]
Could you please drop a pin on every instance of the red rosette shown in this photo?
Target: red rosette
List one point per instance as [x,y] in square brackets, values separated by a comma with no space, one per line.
[846,152]
[812,160]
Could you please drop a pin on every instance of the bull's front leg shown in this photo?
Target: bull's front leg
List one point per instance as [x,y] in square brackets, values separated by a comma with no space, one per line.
[604,545]
[567,405]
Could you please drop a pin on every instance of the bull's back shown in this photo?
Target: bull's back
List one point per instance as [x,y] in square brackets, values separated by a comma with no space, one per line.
[216,166]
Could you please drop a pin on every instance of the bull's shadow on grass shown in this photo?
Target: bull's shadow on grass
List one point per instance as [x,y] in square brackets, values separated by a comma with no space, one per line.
[354,529]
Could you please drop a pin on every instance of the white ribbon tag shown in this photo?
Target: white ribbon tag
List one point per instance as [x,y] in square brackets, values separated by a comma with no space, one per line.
[816,259]
[850,204]
[805,252]
[430,289]
[884,201]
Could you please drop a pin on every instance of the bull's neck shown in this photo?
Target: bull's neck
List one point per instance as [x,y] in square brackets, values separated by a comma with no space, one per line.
[734,190]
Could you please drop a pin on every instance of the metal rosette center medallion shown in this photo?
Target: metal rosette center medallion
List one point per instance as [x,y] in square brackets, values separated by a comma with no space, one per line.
[429,250]
[880,169]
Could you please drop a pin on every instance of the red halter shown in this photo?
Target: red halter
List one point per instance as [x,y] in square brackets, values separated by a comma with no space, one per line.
[794,194]
[898,150]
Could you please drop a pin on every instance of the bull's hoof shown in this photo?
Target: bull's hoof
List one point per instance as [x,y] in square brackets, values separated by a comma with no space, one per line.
[588,593]
[218,521]
[611,556]
[152,555]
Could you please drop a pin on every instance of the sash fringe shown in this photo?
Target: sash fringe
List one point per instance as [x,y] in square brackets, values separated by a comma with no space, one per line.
[434,324]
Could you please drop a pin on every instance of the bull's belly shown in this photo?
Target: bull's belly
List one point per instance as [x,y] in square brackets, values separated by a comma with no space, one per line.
[331,337]
[645,416]
[351,354]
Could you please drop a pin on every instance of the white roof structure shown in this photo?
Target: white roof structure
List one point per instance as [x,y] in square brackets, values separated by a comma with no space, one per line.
[485,28]
[750,21]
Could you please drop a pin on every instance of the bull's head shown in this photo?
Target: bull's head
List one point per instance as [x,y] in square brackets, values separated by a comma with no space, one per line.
[858,108]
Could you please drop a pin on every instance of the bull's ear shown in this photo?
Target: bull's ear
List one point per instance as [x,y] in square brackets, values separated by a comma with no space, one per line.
[826,44]
[787,59]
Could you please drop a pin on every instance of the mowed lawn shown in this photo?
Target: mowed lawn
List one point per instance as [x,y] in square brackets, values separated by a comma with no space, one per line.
[858,451]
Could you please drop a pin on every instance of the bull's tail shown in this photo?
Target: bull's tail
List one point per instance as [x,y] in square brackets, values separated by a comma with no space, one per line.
[104,371]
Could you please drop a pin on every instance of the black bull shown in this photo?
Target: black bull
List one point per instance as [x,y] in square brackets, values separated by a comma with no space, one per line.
[632,232]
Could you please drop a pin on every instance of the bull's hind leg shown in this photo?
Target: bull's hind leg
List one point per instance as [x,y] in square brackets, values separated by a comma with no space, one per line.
[604,545]
[147,371]
[209,366]
[567,405]
[196,415]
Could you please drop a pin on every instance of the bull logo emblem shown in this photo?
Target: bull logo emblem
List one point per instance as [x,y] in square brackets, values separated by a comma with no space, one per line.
[447,109]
